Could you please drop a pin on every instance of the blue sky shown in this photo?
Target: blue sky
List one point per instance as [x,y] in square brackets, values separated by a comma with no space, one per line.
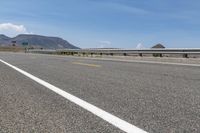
[107,23]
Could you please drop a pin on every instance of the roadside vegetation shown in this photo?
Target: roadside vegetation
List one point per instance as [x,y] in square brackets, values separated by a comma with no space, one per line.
[11,49]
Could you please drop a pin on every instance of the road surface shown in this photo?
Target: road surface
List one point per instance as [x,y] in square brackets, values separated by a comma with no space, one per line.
[156,98]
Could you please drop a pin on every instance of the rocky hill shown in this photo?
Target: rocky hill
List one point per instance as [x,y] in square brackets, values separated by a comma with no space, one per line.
[158,46]
[36,41]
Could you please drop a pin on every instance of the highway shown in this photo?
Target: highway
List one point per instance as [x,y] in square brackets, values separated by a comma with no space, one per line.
[153,97]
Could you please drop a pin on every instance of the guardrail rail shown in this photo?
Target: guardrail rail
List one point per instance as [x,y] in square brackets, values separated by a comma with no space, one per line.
[158,52]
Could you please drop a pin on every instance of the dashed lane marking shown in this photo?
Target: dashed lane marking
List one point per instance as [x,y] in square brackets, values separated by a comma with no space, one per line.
[85,64]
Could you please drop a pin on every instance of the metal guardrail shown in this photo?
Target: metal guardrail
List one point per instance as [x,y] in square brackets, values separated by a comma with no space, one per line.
[155,52]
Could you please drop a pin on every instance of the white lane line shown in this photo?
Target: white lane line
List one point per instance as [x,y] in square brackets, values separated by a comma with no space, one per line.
[127,60]
[140,61]
[119,123]
[157,62]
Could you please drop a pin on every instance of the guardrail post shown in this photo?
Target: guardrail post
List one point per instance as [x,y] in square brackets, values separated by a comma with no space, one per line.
[157,55]
[185,55]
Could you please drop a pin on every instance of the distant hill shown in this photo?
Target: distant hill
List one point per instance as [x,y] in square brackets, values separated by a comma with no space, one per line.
[37,41]
[158,46]
[4,39]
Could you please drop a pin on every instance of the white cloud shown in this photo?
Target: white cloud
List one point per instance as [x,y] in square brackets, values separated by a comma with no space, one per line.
[11,30]
[140,46]
[119,5]
[130,9]
[104,44]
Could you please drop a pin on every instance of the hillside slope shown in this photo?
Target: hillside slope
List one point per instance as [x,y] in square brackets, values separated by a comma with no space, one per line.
[37,41]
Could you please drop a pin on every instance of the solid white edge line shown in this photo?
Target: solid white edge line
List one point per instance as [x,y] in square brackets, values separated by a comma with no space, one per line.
[162,63]
[147,62]
[117,122]
[126,60]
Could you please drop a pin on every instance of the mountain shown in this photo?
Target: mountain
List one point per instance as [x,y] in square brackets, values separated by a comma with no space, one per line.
[37,41]
[4,37]
[3,40]
[158,46]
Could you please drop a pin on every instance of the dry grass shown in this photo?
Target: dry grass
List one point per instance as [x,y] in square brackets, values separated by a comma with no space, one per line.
[11,49]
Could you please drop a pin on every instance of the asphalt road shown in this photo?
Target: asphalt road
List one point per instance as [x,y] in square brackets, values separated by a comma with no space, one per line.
[154,97]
